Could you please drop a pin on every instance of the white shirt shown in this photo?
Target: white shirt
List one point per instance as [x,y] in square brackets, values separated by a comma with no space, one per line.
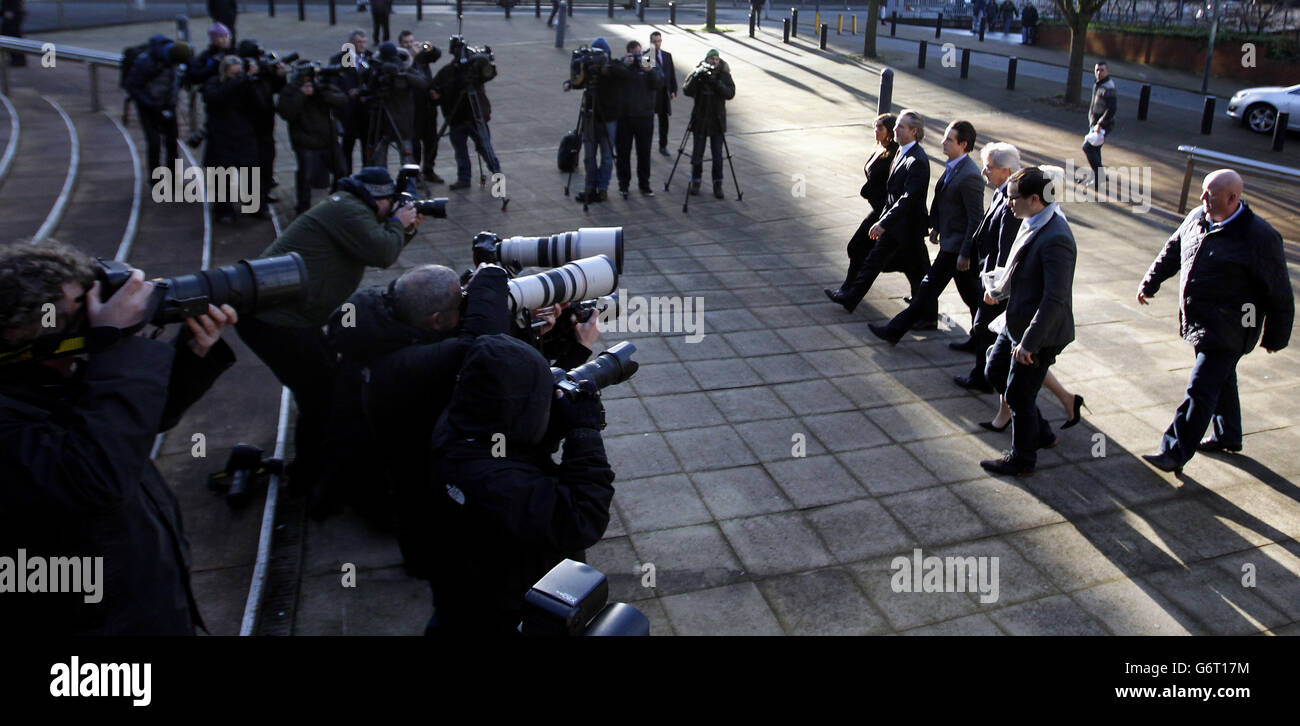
[899,156]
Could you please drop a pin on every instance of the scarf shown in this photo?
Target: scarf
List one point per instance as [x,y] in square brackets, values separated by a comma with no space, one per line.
[998,283]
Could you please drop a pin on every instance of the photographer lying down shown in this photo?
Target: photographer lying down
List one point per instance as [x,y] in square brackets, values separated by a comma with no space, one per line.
[505,513]
[81,399]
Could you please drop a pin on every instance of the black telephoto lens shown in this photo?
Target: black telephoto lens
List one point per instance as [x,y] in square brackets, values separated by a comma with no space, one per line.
[432,207]
[247,286]
[610,368]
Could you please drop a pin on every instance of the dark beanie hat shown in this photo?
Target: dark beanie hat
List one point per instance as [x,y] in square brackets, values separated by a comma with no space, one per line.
[377,181]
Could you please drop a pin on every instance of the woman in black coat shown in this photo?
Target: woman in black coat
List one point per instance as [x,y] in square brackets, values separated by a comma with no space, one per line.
[874,191]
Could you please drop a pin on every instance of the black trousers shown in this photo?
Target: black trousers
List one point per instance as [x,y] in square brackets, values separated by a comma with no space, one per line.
[868,258]
[1094,160]
[158,131]
[925,299]
[697,157]
[641,130]
[1211,400]
[354,133]
[300,360]
[309,162]
[424,144]
[981,337]
[266,162]
[1019,385]
[380,23]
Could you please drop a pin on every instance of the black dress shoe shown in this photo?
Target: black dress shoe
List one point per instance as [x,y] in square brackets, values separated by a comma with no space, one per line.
[695,189]
[664,150]
[1049,443]
[591,196]
[1008,466]
[458,185]
[1213,446]
[837,297]
[971,383]
[646,191]
[882,332]
[1163,461]
[966,347]
[717,191]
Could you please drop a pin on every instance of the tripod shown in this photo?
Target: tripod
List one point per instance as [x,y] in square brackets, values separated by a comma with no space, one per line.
[681,148]
[381,132]
[586,131]
[482,139]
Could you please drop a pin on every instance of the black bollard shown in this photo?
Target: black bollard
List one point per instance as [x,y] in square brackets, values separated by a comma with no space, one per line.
[302,11]
[672,13]
[1144,100]
[560,23]
[610,10]
[640,10]
[965,63]
[419,10]
[537,8]
[893,23]
[823,40]
[460,9]
[570,11]
[981,32]
[334,13]
[785,30]
[886,91]
[1011,73]
[938,25]
[751,23]
[270,8]
[1207,116]
[794,23]
[507,5]
[920,55]
[1279,130]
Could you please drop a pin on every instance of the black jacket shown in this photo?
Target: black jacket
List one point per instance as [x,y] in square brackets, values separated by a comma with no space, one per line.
[409,374]
[958,206]
[709,114]
[231,105]
[640,89]
[223,11]
[76,481]
[996,232]
[153,82]
[205,66]
[1040,311]
[663,104]
[906,217]
[311,125]
[1223,275]
[606,88]
[504,521]
[1029,16]
[1104,102]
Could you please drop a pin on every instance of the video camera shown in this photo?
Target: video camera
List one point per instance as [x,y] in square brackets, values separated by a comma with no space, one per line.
[586,62]
[251,49]
[308,71]
[474,65]
[408,186]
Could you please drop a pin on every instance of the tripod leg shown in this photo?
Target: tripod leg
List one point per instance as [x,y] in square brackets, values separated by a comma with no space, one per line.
[680,148]
[734,179]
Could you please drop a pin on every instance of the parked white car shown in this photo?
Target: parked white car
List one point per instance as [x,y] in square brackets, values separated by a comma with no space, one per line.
[1258,107]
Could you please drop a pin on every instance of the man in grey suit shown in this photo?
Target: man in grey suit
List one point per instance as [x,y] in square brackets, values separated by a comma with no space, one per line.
[1037,284]
[899,234]
[955,214]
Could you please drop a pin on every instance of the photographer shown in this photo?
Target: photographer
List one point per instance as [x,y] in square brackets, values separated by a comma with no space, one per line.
[75,437]
[353,228]
[398,365]
[306,103]
[424,142]
[268,78]
[563,339]
[640,89]
[354,120]
[503,521]
[711,87]
[390,88]
[466,72]
[230,102]
[153,83]
[208,63]
[602,82]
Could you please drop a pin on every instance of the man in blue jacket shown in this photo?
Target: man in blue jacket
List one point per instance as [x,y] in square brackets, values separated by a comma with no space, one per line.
[153,83]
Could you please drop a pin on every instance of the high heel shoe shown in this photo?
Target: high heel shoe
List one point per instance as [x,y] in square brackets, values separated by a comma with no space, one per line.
[1078,404]
[989,426]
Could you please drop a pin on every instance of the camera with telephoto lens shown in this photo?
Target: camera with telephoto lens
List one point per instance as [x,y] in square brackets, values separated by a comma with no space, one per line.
[570,600]
[586,62]
[248,286]
[584,279]
[408,191]
[265,59]
[610,368]
[516,253]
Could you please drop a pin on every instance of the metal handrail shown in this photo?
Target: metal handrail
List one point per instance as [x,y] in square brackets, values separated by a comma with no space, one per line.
[92,58]
[1240,164]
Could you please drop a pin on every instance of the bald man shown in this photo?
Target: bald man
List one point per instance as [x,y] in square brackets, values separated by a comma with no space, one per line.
[1234,293]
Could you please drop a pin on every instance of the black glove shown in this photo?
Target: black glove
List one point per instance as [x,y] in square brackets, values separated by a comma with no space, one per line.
[580,411]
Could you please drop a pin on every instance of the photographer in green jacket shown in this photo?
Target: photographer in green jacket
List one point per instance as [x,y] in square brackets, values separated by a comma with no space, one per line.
[352,229]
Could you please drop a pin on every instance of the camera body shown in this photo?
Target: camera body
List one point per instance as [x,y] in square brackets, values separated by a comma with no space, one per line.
[585,63]
[408,185]
[475,65]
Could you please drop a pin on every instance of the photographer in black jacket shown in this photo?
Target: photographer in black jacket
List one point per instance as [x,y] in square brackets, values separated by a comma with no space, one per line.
[711,87]
[306,103]
[268,79]
[506,513]
[603,84]
[637,122]
[390,92]
[231,101]
[75,435]
[153,82]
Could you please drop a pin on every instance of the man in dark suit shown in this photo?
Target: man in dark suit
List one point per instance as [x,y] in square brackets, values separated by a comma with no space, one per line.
[955,213]
[1037,284]
[900,231]
[355,120]
[379,12]
[663,60]
[989,247]
[1233,284]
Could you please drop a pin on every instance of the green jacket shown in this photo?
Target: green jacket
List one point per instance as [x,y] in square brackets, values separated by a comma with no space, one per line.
[338,239]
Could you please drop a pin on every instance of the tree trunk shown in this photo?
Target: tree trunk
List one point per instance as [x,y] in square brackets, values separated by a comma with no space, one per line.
[711,16]
[1074,76]
[869,32]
